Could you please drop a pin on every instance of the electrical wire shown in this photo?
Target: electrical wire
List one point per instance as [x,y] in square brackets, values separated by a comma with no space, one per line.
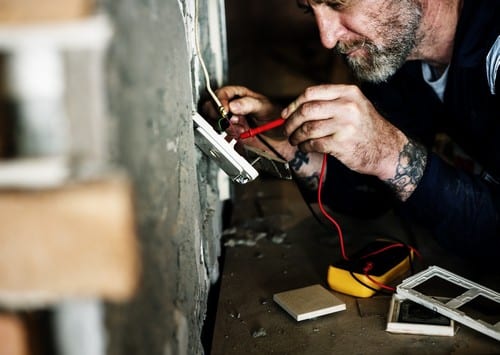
[221,109]
[391,246]
[325,213]
[375,282]
[353,275]
[366,271]
[369,265]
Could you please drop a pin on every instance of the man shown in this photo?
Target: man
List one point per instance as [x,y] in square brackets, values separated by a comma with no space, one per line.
[426,66]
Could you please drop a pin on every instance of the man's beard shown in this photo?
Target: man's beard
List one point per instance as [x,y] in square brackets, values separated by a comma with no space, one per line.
[379,62]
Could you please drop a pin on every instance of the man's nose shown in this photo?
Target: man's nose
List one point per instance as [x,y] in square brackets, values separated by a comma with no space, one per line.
[329,25]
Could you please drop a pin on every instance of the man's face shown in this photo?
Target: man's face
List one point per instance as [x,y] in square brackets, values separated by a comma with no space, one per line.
[376,36]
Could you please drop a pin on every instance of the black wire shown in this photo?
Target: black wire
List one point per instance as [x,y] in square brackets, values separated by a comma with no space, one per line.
[367,286]
[411,259]
[270,147]
[327,227]
[408,247]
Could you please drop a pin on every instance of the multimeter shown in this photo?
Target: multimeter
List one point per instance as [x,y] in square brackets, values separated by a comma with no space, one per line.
[378,263]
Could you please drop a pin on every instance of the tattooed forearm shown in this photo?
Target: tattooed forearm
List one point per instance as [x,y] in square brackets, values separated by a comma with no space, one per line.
[304,172]
[299,160]
[311,182]
[303,164]
[410,169]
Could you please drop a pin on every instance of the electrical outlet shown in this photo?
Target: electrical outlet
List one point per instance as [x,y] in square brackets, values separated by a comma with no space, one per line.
[217,148]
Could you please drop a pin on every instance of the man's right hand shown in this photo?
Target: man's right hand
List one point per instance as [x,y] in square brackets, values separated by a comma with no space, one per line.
[243,104]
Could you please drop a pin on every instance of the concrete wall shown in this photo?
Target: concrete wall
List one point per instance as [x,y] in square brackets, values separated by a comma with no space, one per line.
[154,85]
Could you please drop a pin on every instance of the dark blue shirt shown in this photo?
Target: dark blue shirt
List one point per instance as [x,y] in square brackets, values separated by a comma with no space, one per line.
[459,207]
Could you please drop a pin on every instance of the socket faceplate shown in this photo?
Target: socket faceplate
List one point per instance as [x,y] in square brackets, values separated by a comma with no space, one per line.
[217,148]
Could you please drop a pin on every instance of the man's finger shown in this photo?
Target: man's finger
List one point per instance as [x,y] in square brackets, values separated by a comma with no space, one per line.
[230,92]
[304,117]
[317,93]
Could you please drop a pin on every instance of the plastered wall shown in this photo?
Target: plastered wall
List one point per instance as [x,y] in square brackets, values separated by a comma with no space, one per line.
[154,85]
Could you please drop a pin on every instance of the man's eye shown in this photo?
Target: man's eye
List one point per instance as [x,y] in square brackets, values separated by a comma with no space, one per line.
[305,8]
[334,4]
[338,4]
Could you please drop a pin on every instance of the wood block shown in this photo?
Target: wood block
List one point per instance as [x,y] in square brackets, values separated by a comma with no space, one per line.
[30,11]
[309,302]
[13,335]
[74,241]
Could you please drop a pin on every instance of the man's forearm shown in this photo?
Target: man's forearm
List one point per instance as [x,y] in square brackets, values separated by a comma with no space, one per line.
[307,168]
[409,170]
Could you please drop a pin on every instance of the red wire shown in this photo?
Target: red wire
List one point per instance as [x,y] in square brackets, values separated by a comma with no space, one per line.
[379,284]
[369,265]
[381,250]
[366,269]
[325,213]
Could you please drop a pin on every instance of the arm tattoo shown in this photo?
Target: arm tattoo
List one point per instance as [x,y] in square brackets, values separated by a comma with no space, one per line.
[311,182]
[300,159]
[410,169]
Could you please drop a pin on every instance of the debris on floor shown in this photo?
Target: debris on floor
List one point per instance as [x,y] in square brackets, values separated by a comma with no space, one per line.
[250,232]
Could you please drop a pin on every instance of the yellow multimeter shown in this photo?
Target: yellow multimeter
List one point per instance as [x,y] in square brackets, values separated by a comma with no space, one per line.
[379,263]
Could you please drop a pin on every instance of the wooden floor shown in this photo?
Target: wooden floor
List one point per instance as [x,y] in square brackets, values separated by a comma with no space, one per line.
[276,245]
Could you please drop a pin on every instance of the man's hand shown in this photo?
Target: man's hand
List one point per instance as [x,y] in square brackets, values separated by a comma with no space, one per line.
[243,104]
[339,120]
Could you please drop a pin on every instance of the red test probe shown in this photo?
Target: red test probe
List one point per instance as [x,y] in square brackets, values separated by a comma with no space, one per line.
[265,127]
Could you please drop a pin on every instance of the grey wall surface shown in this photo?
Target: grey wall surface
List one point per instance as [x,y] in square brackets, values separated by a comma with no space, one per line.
[151,96]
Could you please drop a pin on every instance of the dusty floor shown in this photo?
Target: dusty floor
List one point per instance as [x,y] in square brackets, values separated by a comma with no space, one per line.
[278,246]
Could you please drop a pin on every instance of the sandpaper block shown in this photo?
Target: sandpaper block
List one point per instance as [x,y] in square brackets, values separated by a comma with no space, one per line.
[309,302]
